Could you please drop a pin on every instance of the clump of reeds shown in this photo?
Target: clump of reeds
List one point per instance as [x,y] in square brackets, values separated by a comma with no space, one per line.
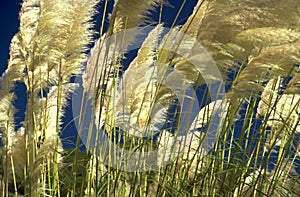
[255,47]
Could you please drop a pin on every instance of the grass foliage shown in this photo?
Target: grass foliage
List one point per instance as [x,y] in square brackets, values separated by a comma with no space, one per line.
[255,47]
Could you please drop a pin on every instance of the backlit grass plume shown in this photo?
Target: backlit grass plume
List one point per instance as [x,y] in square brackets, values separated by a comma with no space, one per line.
[159,124]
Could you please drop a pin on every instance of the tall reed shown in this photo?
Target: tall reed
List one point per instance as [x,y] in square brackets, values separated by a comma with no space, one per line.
[208,108]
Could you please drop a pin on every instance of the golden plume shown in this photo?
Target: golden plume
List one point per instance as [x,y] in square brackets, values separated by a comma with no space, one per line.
[234,31]
[137,93]
[128,14]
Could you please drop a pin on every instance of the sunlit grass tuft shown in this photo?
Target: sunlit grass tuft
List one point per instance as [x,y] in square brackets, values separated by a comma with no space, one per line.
[143,136]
